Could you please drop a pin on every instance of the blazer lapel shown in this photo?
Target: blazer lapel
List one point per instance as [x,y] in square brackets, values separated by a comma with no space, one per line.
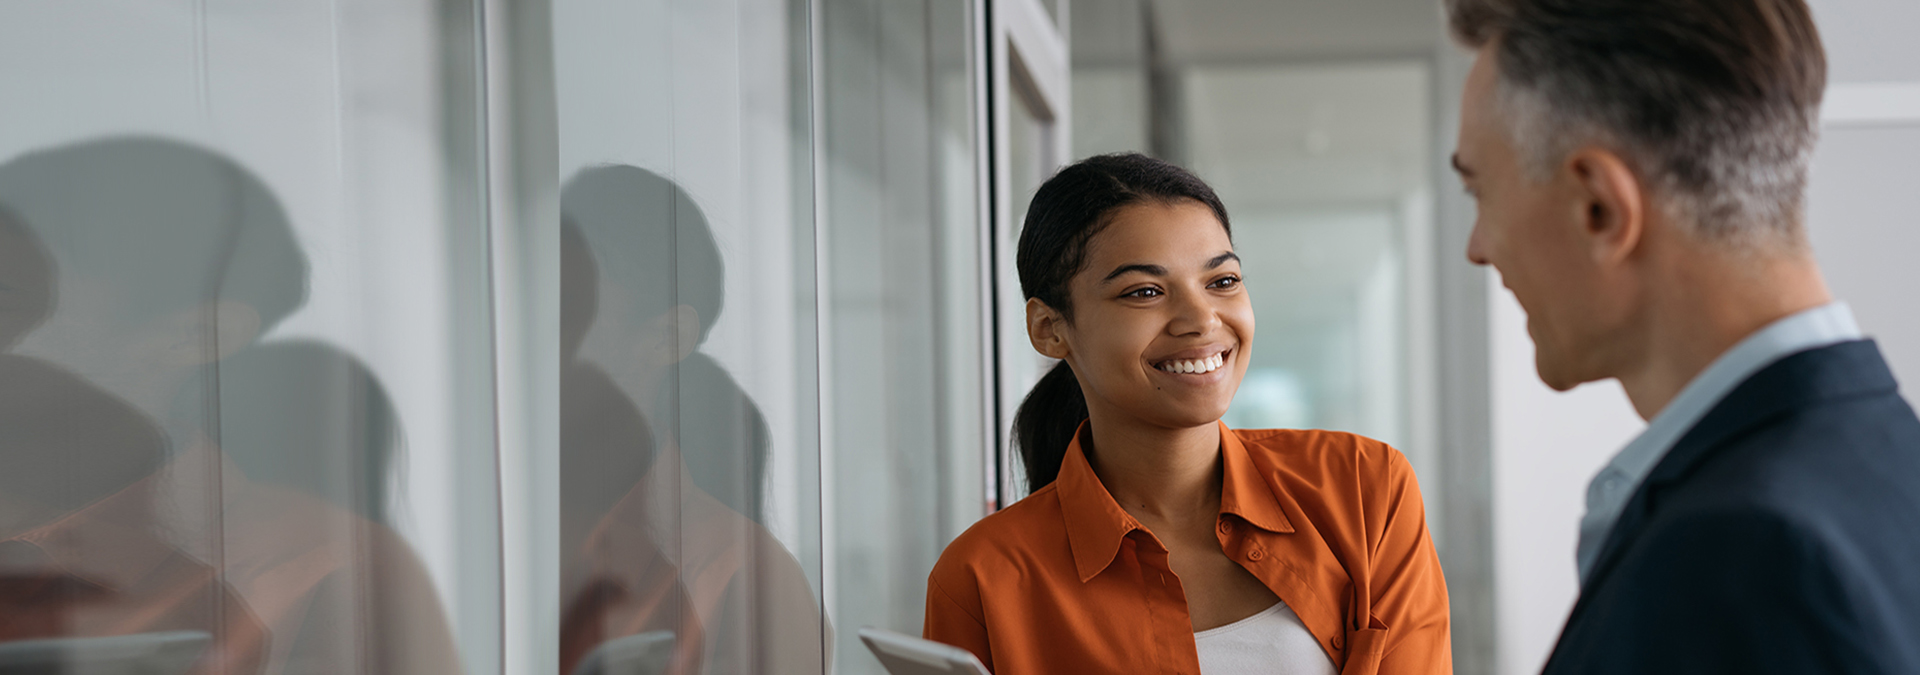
[1846,370]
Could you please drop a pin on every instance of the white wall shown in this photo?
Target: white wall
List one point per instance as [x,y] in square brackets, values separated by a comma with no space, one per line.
[1547,445]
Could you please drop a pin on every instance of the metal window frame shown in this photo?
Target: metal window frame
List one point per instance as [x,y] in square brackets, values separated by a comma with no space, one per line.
[1025,55]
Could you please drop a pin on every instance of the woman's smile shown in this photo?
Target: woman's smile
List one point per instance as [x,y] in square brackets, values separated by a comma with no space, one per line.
[1195,364]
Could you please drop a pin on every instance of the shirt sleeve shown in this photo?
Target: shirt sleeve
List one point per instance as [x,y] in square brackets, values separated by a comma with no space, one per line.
[1409,592]
[955,618]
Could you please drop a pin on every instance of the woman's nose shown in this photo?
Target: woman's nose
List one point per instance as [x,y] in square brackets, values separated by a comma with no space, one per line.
[1194,314]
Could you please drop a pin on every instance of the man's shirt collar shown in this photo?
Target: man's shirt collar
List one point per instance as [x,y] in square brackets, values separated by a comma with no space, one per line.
[1609,491]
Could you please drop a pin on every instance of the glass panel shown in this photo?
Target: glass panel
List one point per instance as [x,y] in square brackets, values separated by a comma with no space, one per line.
[689,461]
[903,302]
[1325,170]
[245,373]
[1030,160]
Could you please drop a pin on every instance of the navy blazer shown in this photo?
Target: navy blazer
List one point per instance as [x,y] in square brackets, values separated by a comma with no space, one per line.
[1780,535]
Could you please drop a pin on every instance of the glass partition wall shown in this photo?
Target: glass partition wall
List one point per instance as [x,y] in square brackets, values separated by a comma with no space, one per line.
[689,454]
[245,418]
[578,336]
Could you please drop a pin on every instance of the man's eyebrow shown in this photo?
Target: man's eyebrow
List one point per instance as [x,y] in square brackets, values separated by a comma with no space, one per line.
[1461,168]
[1222,259]
[1155,270]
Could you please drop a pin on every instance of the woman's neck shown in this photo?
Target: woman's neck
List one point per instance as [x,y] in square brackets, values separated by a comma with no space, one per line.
[1156,473]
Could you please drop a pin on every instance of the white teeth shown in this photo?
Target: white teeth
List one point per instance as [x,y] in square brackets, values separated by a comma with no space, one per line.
[1196,366]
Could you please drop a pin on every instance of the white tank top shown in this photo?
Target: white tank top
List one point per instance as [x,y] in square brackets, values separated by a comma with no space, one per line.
[1273,642]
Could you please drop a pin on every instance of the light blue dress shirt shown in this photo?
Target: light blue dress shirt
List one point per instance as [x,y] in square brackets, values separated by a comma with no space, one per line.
[1608,493]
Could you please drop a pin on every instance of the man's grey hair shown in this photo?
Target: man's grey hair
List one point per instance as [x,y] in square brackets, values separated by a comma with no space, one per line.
[1714,102]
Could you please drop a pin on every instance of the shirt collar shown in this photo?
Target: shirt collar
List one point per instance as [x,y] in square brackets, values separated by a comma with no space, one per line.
[1245,491]
[1096,524]
[1609,491]
[112,543]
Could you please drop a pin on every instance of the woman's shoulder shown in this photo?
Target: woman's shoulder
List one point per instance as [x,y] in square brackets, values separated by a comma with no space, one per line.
[1027,532]
[1320,453]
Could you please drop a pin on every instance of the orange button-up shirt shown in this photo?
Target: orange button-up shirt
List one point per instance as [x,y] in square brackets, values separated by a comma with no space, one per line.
[1065,581]
[284,582]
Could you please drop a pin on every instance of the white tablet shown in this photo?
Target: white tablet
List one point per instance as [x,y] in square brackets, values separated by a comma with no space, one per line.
[643,654]
[169,653]
[909,655]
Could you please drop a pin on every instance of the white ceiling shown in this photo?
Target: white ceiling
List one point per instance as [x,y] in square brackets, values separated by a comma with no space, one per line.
[1196,31]
[1287,136]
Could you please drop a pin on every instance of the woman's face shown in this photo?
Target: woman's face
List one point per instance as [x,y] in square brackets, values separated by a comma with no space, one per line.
[1161,321]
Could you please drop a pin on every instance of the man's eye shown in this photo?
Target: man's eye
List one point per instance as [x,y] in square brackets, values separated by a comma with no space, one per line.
[1148,292]
[1227,282]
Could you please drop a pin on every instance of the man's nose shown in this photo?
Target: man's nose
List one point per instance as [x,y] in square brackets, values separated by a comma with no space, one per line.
[1476,247]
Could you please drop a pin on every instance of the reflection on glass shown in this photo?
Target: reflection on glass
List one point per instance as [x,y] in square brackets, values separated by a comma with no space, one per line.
[1030,160]
[902,341]
[663,455]
[137,273]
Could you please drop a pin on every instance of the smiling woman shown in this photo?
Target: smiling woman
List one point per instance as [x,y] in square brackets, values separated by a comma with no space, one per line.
[1156,539]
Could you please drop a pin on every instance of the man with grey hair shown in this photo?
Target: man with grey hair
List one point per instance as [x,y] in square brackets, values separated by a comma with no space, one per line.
[1640,171]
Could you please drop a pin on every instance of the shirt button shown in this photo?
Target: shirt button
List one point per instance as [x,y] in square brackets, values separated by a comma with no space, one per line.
[1226,527]
[1339,642]
[1256,555]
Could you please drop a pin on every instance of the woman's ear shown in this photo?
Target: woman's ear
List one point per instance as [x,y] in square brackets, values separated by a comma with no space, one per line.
[1046,328]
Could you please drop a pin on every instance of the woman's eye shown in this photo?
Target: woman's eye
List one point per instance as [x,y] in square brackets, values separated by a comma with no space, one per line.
[1148,292]
[1227,282]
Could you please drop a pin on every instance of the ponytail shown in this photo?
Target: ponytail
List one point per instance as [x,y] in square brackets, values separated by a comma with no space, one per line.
[1066,212]
[1046,422]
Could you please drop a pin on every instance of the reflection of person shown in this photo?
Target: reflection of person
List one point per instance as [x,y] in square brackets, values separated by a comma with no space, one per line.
[66,444]
[606,447]
[1156,538]
[169,260]
[698,499]
[1640,170]
[306,415]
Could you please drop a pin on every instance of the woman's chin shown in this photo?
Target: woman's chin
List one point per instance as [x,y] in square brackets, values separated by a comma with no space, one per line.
[1186,416]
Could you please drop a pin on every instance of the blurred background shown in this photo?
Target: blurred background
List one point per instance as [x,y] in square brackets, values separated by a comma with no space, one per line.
[699,317]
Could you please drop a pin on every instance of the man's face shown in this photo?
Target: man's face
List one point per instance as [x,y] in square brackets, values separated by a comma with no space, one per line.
[1534,233]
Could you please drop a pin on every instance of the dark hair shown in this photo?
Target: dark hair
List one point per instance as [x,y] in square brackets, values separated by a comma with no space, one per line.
[648,237]
[1067,211]
[642,233]
[167,225]
[1715,101]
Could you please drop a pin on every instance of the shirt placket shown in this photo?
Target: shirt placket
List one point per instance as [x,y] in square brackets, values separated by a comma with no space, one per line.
[1169,625]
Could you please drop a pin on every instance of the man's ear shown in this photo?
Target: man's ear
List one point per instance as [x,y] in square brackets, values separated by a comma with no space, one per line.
[1613,203]
[1046,328]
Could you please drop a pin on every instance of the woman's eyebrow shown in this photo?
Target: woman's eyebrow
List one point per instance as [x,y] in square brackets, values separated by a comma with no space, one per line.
[1155,270]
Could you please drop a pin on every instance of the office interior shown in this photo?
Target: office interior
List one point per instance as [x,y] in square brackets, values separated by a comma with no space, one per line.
[408,336]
